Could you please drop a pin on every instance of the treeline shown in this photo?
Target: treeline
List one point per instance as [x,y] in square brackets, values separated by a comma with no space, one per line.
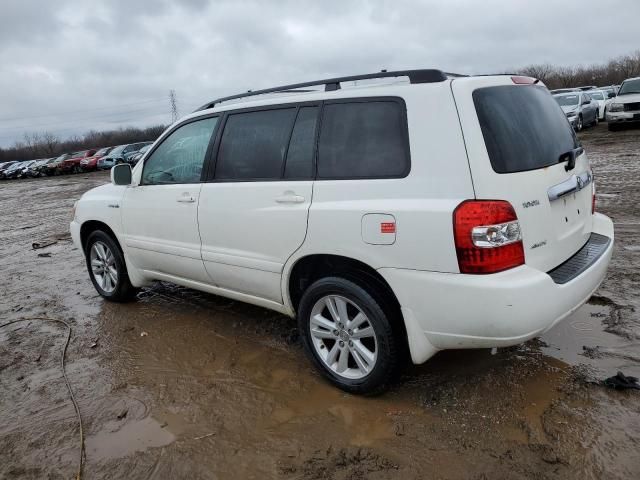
[46,144]
[611,73]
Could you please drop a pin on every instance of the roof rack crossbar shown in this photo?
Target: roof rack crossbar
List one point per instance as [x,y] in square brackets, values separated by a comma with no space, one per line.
[331,84]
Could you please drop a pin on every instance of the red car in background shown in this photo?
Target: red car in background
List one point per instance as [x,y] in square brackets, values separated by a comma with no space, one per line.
[72,164]
[89,164]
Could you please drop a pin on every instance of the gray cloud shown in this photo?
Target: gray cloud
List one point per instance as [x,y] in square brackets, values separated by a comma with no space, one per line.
[73,65]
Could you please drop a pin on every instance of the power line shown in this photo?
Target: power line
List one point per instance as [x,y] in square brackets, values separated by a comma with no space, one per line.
[154,100]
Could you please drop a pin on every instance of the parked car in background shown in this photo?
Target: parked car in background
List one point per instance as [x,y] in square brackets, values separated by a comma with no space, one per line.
[564,90]
[53,168]
[13,170]
[34,169]
[599,97]
[587,87]
[19,170]
[72,164]
[135,149]
[91,163]
[321,201]
[5,166]
[579,108]
[133,159]
[120,154]
[625,107]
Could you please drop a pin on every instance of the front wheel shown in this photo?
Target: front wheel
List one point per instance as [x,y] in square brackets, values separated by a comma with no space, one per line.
[579,124]
[107,268]
[348,335]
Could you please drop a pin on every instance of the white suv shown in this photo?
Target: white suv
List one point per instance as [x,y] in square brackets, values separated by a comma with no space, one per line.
[392,218]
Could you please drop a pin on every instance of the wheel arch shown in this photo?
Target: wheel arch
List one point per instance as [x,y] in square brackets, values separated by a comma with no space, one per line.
[309,268]
[90,226]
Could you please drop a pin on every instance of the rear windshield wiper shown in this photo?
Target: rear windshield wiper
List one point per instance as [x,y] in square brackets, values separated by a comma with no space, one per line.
[570,158]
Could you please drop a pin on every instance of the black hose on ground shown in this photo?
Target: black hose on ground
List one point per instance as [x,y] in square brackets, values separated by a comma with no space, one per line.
[64,374]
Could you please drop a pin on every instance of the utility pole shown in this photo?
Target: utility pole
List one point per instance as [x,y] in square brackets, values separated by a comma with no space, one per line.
[174,106]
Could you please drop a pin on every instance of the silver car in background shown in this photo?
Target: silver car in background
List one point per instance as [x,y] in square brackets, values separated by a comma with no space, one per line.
[580,110]
[625,107]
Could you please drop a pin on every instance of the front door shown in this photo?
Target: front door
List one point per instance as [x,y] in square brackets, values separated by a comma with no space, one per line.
[253,212]
[160,216]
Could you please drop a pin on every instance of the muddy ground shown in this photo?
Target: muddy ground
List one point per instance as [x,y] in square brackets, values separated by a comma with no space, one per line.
[182,384]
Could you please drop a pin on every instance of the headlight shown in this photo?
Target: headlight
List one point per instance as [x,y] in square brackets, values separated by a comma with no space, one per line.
[616,107]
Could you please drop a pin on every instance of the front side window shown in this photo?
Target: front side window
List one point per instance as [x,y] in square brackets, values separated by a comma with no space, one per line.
[180,157]
[363,140]
[254,144]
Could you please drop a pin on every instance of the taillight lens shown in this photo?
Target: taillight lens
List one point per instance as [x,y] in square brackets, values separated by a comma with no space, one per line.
[487,236]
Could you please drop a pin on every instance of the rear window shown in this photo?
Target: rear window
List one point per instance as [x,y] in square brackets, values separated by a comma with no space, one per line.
[363,140]
[523,127]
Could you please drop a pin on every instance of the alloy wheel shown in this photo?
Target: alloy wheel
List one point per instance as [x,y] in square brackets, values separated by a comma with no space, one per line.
[103,267]
[343,337]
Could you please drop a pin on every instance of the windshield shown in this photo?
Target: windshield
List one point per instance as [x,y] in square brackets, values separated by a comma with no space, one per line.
[102,151]
[118,149]
[630,86]
[567,100]
[597,95]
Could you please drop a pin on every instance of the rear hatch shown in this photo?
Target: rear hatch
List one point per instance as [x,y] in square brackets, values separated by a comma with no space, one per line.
[521,149]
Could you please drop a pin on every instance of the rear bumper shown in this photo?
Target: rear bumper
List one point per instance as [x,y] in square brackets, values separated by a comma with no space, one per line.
[448,310]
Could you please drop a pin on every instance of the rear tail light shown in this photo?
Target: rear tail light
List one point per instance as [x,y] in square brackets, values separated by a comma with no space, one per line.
[487,236]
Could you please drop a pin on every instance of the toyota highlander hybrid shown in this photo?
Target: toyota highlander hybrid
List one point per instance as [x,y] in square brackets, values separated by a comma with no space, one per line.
[393,218]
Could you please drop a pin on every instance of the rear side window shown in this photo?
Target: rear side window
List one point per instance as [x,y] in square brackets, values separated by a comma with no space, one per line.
[363,140]
[523,127]
[254,144]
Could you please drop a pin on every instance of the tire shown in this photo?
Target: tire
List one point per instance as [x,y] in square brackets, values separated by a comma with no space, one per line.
[596,119]
[370,372]
[579,124]
[103,249]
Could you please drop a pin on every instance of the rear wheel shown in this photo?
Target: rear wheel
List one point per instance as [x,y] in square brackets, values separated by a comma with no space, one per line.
[579,123]
[107,268]
[349,336]
[596,119]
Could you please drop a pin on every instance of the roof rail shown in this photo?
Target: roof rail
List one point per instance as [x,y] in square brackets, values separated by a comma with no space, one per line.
[330,84]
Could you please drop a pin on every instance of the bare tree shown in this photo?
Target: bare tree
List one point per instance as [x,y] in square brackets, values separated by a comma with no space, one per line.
[50,143]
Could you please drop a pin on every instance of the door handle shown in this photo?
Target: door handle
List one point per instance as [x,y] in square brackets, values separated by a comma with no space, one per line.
[290,198]
[186,199]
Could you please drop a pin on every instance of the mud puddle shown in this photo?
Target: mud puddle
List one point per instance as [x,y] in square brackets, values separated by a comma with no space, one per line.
[583,339]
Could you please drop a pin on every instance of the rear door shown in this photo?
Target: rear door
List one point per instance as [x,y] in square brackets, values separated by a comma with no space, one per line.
[519,144]
[253,211]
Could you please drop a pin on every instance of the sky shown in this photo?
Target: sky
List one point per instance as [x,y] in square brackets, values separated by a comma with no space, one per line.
[69,66]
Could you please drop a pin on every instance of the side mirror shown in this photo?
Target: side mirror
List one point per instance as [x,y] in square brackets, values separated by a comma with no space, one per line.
[121,174]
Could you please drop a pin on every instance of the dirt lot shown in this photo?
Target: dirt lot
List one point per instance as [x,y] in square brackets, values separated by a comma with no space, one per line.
[182,384]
